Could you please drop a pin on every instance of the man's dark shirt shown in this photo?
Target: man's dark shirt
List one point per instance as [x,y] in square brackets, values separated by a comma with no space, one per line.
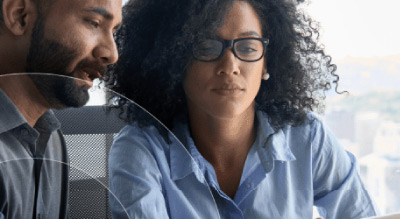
[33,165]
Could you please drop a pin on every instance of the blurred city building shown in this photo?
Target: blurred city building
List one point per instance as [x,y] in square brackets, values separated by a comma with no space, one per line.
[376,143]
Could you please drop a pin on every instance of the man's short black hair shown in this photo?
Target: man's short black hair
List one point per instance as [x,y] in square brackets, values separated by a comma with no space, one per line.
[1,14]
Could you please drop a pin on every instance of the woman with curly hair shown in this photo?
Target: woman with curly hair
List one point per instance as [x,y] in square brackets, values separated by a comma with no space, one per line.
[235,82]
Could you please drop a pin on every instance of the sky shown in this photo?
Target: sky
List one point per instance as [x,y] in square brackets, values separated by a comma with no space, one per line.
[357,28]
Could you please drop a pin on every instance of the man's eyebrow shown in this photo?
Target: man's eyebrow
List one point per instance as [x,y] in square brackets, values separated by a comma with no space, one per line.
[101,11]
[250,33]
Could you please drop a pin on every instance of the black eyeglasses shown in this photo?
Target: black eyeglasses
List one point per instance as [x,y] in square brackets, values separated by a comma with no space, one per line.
[245,49]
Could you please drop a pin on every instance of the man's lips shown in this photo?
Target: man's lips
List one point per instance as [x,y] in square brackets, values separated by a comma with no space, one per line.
[92,74]
[87,71]
[87,76]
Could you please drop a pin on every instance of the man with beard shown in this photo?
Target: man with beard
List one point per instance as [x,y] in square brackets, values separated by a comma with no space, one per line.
[70,39]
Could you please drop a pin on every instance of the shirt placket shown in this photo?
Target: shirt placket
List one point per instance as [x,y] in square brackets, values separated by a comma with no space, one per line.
[35,144]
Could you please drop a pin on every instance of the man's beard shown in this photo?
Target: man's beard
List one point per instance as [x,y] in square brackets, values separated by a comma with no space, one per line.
[48,56]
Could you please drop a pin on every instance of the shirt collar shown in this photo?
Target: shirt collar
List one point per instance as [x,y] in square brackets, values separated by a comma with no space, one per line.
[184,160]
[271,145]
[48,122]
[11,117]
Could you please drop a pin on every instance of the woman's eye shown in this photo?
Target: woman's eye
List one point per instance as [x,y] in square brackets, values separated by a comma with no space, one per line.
[207,50]
[247,50]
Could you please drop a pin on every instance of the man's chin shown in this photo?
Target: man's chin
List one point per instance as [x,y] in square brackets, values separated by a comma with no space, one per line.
[62,92]
[77,98]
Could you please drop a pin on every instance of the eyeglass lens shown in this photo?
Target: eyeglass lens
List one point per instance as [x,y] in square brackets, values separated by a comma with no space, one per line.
[249,50]
[246,49]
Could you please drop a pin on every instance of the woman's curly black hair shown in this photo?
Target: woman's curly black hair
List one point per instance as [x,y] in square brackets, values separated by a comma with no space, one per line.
[155,43]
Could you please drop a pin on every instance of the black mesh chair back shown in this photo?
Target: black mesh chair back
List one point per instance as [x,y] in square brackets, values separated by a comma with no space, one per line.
[89,133]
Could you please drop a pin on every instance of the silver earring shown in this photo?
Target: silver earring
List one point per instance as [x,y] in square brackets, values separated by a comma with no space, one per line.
[265,76]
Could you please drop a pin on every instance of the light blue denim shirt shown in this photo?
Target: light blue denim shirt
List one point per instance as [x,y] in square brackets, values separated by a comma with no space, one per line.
[286,172]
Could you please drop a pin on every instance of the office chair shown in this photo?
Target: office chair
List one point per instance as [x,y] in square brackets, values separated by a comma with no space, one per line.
[89,132]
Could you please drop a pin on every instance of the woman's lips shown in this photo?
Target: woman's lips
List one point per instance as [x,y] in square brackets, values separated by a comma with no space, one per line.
[228,89]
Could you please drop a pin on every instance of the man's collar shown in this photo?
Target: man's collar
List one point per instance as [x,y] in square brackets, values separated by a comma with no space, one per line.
[10,117]
[48,122]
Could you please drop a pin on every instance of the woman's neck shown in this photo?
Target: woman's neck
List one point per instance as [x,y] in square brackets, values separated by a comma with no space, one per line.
[225,143]
[223,140]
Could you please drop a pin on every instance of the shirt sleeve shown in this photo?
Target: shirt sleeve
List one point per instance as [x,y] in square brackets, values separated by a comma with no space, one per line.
[338,189]
[135,178]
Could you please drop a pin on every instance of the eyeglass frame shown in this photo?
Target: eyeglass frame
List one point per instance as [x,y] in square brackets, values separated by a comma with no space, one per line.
[230,43]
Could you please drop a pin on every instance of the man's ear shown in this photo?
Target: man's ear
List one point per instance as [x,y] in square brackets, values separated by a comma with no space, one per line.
[17,15]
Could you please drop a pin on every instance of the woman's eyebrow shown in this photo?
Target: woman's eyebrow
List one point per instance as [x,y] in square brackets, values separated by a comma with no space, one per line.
[250,33]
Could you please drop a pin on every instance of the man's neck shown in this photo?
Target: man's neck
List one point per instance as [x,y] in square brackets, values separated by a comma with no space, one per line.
[13,54]
[21,90]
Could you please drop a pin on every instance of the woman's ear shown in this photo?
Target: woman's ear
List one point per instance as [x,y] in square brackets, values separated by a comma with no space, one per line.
[17,15]
[264,69]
